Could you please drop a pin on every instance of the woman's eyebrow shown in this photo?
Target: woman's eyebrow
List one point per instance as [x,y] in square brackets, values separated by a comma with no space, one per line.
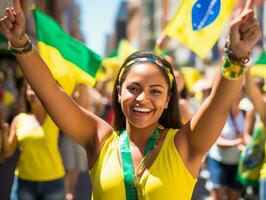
[157,85]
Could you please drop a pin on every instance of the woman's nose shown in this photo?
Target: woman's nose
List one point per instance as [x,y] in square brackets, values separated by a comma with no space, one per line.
[141,96]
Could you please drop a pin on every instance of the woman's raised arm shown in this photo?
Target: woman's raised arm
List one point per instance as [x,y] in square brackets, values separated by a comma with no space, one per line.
[84,127]
[207,123]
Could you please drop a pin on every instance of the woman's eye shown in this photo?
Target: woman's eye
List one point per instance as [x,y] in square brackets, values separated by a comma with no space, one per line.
[156,92]
[133,89]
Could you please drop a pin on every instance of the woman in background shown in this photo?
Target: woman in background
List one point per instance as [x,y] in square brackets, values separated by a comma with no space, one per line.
[39,172]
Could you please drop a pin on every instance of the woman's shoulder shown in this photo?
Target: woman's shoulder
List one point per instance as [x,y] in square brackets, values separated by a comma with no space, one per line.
[170,134]
[111,138]
[21,116]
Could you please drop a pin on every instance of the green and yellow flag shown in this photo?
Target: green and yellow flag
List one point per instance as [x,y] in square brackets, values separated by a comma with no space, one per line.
[259,68]
[199,23]
[69,60]
[113,62]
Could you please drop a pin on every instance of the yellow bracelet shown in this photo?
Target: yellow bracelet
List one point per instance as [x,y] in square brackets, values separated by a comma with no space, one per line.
[230,70]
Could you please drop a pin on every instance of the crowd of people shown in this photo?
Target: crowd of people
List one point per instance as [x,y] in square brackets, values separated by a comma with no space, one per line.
[145,140]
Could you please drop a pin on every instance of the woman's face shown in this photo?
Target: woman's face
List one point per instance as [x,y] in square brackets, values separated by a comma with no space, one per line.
[144,95]
[31,96]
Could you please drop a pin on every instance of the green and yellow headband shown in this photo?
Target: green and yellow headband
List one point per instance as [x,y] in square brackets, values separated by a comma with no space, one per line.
[151,60]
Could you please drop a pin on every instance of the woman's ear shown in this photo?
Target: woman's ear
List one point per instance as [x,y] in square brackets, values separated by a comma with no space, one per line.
[167,101]
[166,106]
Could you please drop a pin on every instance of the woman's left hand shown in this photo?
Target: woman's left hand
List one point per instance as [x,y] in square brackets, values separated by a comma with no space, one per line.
[244,31]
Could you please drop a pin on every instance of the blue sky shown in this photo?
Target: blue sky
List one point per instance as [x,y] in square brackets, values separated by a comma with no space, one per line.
[97,19]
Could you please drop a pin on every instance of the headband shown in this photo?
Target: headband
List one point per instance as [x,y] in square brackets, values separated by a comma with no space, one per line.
[150,60]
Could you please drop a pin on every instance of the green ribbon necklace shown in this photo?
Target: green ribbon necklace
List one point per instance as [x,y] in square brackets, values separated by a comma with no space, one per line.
[127,163]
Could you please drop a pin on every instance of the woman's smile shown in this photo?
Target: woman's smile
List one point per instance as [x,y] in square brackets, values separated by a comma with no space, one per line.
[141,111]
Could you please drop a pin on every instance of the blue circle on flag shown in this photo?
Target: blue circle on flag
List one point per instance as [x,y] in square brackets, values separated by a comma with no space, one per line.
[204,12]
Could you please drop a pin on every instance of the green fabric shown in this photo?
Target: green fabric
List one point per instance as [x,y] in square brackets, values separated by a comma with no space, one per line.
[113,54]
[262,59]
[151,142]
[2,38]
[3,42]
[251,159]
[71,49]
[127,163]
[128,169]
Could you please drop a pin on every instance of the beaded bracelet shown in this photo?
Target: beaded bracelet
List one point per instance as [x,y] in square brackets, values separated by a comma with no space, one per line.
[232,57]
[230,70]
[26,50]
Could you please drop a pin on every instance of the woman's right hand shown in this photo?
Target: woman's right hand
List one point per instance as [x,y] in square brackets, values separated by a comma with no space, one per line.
[12,25]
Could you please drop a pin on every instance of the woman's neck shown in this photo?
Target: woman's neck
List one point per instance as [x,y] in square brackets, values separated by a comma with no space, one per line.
[140,136]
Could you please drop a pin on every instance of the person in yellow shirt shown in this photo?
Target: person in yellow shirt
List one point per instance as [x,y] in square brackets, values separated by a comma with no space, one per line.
[148,153]
[258,99]
[7,98]
[39,171]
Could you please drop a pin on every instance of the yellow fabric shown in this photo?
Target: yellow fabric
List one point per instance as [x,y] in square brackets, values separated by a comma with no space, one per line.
[191,75]
[125,49]
[8,98]
[201,41]
[112,64]
[167,177]
[39,158]
[65,72]
[258,70]
[263,169]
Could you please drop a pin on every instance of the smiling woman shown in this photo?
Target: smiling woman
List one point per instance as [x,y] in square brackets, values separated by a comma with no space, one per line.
[149,83]
[148,153]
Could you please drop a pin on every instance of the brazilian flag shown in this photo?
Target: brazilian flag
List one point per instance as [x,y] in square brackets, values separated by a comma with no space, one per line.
[69,60]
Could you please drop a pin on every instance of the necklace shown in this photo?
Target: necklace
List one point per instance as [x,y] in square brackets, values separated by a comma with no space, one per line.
[127,163]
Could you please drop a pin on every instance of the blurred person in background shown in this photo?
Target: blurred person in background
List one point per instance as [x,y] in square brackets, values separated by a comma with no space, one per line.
[39,172]
[186,111]
[73,155]
[105,106]
[7,98]
[224,155]
[258,99]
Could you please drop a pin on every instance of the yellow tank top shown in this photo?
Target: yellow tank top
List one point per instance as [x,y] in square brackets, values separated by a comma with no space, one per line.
[166,176]
[39,158]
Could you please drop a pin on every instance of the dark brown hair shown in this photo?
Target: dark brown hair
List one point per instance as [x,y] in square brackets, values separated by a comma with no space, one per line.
[23,103]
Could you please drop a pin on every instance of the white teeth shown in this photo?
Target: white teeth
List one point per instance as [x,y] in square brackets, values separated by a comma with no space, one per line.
[139,109]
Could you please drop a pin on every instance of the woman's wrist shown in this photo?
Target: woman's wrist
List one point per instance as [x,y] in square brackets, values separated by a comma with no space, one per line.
[20,41]
[22,48]
[236,55]
[239,53]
